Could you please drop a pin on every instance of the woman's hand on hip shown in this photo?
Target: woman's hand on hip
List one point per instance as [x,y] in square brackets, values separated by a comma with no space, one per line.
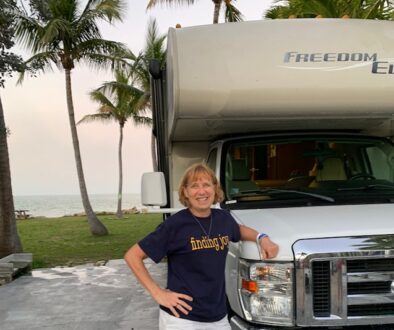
[174,301]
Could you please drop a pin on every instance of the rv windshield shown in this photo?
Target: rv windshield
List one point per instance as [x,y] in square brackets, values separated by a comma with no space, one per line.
[311,169]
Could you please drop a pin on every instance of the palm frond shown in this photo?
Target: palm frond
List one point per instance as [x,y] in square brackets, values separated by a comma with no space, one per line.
[89,5]
[103,117]
[153,3]
[281,9]
[107,10]
[154,49]
[29,32]
[99,55]
[97,96]
[232,14]
[40,62]
[120,90]
[110,87]
[142,121]
[143,103]
[324,8]
[380,9]
[110,10]
[56,29]
[122,87]
[103,47]
[87,29]
[138,72]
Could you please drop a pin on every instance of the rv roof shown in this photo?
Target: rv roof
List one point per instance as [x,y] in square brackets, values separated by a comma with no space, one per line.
[280,75]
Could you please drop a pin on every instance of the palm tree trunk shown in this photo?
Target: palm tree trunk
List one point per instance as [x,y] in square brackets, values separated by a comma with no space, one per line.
[216,11]
[9,239]
[119,210]
[96,227]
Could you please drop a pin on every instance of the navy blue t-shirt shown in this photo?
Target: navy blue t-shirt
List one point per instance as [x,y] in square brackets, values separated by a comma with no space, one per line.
[195,262]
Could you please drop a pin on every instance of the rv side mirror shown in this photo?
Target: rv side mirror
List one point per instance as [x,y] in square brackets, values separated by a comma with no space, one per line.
[153,189]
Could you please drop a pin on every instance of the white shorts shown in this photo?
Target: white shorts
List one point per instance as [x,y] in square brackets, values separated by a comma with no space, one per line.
[169,322]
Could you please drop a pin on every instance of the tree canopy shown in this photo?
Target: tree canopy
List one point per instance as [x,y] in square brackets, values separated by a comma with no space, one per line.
[231,13]
[9,62]
[364,9]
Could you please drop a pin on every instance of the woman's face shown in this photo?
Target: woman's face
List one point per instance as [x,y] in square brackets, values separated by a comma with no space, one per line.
[200,192]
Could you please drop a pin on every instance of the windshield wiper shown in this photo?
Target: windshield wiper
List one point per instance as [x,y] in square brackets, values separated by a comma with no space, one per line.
[368,187]
[285,191]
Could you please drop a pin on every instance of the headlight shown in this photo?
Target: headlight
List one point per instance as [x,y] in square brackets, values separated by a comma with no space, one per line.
[266,292]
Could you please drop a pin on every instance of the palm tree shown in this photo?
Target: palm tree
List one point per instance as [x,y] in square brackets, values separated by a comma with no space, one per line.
[68,36]
[232,14]
[9,239]
[365,9]
[9,62]
[154,49]
[119,101]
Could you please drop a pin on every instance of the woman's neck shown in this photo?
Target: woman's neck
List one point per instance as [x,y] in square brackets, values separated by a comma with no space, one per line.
[200,214]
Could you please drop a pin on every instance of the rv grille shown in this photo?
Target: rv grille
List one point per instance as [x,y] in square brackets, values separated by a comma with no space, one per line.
[371,310]
[370,265]
[361,287]
[321,288]
[369,287]
[345,282]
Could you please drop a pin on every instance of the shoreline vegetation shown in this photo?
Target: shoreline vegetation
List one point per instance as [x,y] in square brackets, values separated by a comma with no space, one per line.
[133,210]
[59,205]
[25,215]
[66,241]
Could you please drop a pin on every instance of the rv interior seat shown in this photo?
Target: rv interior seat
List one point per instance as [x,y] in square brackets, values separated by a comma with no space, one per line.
[332,168]
[240,177]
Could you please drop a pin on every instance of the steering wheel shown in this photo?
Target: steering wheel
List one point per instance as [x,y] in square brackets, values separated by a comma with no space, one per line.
[363,175]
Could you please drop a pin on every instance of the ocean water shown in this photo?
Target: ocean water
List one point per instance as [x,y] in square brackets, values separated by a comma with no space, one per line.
[60,205]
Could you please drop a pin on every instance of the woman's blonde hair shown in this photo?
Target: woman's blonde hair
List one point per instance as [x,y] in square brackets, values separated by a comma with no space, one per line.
[193,173]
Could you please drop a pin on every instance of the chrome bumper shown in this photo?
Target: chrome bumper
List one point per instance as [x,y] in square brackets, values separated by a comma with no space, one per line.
[239,324]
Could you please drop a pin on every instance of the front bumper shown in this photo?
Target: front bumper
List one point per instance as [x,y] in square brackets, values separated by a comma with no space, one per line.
[239,324]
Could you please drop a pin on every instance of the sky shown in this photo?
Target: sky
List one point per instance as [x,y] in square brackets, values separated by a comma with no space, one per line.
[40,146]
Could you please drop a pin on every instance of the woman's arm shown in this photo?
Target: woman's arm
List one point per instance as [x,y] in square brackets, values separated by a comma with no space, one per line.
[134,258]
[268,248]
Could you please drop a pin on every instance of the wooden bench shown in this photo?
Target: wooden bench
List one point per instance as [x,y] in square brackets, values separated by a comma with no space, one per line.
[22,214]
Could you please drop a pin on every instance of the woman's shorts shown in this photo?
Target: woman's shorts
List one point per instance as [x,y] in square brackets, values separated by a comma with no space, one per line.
[169,322]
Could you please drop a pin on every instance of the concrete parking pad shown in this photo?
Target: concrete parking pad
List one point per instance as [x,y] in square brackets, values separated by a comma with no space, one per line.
[83,297]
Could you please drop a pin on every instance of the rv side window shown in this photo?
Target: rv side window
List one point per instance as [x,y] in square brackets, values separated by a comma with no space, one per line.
[211,162]
[380,164]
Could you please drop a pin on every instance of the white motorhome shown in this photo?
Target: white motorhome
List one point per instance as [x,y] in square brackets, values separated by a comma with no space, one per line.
[295,117]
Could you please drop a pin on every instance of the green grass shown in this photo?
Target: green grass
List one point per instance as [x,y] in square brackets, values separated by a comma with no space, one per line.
[67,240]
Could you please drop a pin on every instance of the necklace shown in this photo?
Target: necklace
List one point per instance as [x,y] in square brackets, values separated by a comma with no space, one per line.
[202,228]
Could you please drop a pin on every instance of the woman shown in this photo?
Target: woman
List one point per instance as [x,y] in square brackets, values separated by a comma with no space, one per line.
[195,240]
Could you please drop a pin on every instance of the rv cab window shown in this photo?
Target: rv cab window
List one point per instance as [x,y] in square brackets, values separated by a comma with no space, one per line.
[288,169]
[211,161]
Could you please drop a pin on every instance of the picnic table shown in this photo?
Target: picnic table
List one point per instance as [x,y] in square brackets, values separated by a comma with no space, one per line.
[22,214]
